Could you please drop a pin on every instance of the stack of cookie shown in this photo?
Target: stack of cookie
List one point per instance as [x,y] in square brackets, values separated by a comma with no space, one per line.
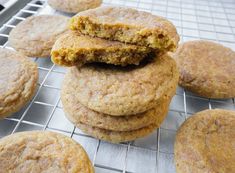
[122,79]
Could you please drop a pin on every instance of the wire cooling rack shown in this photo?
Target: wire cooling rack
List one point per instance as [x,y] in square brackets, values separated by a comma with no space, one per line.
[194,19]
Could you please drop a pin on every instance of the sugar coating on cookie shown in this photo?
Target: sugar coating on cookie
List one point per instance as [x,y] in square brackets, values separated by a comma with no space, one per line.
[35,36]
[206,68]
[127,25]
[77,113]
[205,143]
[75,49]
[74,6]
[128,90]
[42,151]
[18,81]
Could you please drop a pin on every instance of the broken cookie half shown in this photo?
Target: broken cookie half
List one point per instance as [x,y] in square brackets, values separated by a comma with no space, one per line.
[128,26]
[74,49]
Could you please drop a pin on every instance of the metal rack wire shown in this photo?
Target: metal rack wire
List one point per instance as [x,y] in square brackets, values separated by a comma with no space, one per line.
[201,19]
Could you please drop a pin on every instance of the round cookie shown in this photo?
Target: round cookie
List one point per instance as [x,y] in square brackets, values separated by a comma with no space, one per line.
[77,113]
[42,151]
[74,6]
[207,69]
[125,91]
[36,35]
[205,143]
[18,81]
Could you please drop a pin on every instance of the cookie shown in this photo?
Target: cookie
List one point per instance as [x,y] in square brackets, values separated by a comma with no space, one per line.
[117,136]
[120,91]
[18,81]
[74,6]
[36,35]
[127,25]
[205,143]
[207,69]
[75,49]
[42,151]
[77,113]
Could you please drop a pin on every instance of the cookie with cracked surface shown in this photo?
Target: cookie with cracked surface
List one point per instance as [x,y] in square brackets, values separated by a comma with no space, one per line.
[35,36]
[74,6]
[42,151]
[77,113]
[18,81]
[75,49]
[127,25]
[206,68]
[205,143]
[122,91]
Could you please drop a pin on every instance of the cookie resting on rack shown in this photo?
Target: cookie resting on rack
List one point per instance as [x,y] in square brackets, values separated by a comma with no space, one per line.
[42,151]
[205,143]
[206,68]
[35,36]
[18,81]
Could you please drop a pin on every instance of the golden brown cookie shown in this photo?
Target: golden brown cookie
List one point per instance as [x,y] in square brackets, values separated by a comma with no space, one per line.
[74,6]
[75,49]
[127,90]
[18,81]
[42,151]
[206,68]
[205,143]
[36,35]
[77,113]
[127,25]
